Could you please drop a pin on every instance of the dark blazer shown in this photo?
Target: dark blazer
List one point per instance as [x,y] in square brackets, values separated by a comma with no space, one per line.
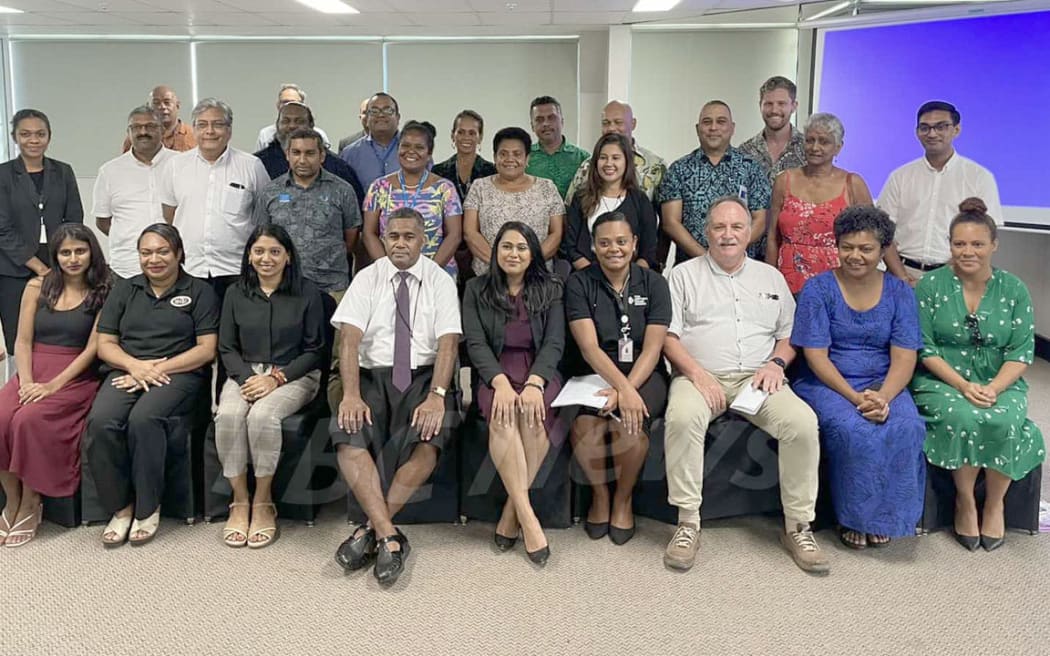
[638,209]
[20,213]
[483,329]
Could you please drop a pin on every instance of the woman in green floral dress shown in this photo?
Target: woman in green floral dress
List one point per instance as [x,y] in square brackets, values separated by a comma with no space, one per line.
[979,336]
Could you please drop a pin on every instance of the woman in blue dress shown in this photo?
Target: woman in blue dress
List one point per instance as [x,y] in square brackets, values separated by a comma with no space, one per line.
[859,330]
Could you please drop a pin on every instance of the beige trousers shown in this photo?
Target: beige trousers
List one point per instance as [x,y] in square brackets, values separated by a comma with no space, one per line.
[783,415]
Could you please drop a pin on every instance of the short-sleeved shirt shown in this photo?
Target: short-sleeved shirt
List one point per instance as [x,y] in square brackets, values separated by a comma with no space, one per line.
[922,201]
[649,168]
[697,183]
[482,169]
[149,327]
[370,306]
[315,217]
[437,200]
[793,157]
[214,202]
[588,295]
[534,207]
[559,166]
[179,139]
[730,322]
[371,161]
[127,190]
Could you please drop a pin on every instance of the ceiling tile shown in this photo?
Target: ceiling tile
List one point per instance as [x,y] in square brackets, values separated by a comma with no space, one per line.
[34,19]
[255,6]
[593,5]
[429,6]
[109,6]
[519,5]
[515,18]
[426,19]
[37,6]
[590,17]
[97,18]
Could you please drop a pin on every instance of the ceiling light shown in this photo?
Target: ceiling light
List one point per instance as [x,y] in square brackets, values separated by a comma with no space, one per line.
[655,5]
[329,6]
[830,10]
[10,10]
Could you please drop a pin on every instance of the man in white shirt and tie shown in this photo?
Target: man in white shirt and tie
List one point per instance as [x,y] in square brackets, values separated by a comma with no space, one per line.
[399,326]
[922,197]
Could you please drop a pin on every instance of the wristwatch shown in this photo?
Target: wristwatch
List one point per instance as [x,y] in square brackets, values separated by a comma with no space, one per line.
[440,391]
[779,362]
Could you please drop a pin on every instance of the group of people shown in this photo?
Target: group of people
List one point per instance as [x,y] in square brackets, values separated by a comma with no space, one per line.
[547,263]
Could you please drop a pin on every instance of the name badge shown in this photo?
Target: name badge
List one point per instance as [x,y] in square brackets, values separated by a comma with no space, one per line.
[180,301]
[638,300]
[626,350]
[284,198]
[743,193]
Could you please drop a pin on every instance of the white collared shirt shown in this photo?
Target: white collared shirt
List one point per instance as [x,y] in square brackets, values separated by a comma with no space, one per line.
[128,192]
[214,207]
[370,305]
[267,133]
[730,323]
[922,201]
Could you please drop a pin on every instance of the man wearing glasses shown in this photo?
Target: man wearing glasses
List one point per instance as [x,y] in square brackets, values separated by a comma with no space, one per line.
[375,154]
[923,196]
[177,135]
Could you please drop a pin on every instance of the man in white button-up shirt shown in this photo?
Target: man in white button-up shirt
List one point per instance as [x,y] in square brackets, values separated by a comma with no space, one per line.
[127,195]
[208,193]
[399,327]
[922,197]
[731,329]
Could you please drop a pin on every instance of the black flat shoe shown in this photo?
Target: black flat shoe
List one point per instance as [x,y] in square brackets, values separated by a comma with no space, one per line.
[503,543]
[990,543]
[619,535]
[540,556]
[971,542]
[390,564]
[596,531]
[355,553]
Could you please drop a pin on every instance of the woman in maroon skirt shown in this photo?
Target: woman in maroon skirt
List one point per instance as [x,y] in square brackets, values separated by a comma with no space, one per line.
[514,326]
[42,410]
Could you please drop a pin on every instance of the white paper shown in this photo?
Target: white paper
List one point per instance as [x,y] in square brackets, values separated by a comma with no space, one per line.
[582,390]
[749,400]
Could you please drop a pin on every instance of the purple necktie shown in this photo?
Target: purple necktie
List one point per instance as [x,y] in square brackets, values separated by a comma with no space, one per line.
[402,336]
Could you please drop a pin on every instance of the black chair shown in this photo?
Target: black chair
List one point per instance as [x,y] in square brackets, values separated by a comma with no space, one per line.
[1021,506]
[64,511]
[740,474]
[183,475]
[305,471]
[481,493]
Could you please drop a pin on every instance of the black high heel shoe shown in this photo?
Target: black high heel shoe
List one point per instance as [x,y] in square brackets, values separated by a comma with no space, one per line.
[503,543]
[540,556]
[970,542]
[596,530]
[990,543]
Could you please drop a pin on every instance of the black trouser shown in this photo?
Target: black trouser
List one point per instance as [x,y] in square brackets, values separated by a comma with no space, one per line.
[128,436]
[11,289]
[220,284]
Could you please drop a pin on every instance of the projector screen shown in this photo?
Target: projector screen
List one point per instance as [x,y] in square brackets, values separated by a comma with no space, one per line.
[993,69]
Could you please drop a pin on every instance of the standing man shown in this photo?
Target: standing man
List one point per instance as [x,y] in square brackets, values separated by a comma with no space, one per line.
[375,154]
[552,156]
[127,191]
[713,170]
[286,94]
[297,116]
[400,330]
[922,197]
[730,330]
[177,135]
[362,116]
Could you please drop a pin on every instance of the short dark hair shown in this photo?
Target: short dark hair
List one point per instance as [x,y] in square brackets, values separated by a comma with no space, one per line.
[307,133]
[291,280]
[406,212]
[973,210]
[469,113]
[777,82]
[610,217]
[422,128]
[938,106]
[384,94]
[865,219]
[168,233]
[544,100]
[512,134]
[23,114]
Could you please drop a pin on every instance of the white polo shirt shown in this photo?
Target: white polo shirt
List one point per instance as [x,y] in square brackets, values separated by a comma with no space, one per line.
[922,201]
[214,207]
[268,132]
[128,192]
[370,305]
[730,323]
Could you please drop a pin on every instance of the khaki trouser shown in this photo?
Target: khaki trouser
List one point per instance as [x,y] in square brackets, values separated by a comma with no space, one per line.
[783,415]
[335,381]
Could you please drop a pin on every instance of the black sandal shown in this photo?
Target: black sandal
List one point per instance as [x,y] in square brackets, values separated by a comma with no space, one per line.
[390,564]
[877,541]
[850,543]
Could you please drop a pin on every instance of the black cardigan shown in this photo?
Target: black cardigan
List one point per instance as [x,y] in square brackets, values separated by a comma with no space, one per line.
[483,329]
[639,211]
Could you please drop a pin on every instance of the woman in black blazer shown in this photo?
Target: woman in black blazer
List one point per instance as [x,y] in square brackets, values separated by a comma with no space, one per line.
[514,325]
[37,194]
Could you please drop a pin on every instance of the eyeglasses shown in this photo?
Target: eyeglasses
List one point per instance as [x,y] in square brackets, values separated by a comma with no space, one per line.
[381,111]
[939,128]
[975,330]
[214,125]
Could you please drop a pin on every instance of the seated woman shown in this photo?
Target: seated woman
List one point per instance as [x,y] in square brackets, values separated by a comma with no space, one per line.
[271,337]
[417,187]
[511,195]
[859,331]
[805,203]
[514,325]
[618,313]
[979,337]
[611,186]
[42,410]
[157,333]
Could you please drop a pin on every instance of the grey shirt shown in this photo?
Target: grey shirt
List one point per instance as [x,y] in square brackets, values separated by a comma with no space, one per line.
[316,218]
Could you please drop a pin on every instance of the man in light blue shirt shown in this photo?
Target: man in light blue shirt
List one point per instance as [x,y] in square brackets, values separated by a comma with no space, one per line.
[375,154]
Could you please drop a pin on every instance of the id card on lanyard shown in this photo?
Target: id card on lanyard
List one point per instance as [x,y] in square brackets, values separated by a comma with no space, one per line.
[43,228]
[625,345]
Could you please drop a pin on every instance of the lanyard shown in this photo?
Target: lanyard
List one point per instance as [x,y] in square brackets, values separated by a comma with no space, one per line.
[422,183]
[621,305]
[386,153]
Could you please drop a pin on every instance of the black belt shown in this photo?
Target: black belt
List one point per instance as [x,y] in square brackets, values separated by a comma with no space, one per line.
[915,264]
